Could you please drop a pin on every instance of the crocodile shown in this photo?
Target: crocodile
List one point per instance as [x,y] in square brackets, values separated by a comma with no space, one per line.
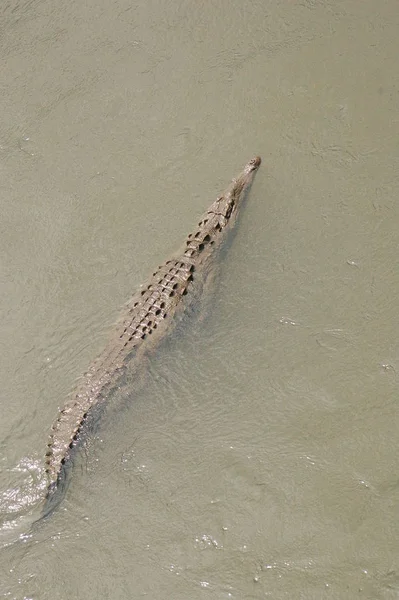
[146,320]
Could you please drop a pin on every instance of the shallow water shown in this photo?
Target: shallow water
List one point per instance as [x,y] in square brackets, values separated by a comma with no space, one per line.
[258,459]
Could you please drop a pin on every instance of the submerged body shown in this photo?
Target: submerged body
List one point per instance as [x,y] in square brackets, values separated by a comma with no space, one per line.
[147,317]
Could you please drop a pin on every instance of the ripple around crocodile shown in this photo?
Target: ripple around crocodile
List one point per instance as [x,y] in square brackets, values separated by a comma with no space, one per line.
[146,320]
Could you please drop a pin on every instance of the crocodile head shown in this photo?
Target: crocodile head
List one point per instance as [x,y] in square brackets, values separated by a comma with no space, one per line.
[226,206]
[221,216]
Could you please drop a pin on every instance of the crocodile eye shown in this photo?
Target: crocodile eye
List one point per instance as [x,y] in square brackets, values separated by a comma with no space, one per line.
[229,210]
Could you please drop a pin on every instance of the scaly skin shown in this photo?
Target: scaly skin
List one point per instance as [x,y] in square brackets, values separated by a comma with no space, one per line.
[148,315]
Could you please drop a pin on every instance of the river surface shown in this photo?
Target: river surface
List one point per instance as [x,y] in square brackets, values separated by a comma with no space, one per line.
[259,456]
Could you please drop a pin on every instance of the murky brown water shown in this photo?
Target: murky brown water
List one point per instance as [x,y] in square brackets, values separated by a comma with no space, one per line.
[260,459]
